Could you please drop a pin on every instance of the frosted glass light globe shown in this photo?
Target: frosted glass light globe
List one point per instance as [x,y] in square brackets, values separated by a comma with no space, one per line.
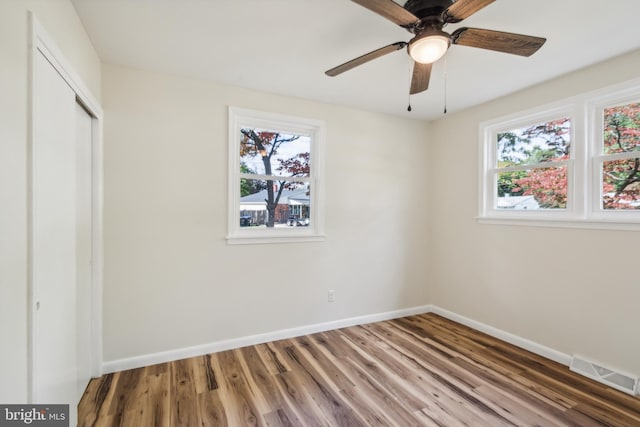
[428,48]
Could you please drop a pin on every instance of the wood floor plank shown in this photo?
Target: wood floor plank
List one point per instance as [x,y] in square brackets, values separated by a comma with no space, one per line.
[421,370]
[204,377]
[280,418]
[211,411]
[449,381]
[436,398]
[516,383]
[96,400]
[182,389]
[395,378]
[433,357]
[243,409]
[516,410]
[272,360]
[445,392]
[301,401]
[367,383]
[157,405]
[125,389]
[260,380]
[323,364]
[457,346]
[330,403]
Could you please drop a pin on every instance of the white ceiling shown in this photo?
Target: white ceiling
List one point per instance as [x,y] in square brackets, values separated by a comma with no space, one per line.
[284,46]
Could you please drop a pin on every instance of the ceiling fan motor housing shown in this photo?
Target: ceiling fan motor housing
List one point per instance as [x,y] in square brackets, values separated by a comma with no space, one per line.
[425,9]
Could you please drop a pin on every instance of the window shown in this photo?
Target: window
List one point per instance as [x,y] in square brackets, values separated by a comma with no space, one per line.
[532,166]
[618,159]
[529,169]
[573,164]
[275,186]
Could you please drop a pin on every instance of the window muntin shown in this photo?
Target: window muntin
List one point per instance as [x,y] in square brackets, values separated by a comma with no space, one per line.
[275,193]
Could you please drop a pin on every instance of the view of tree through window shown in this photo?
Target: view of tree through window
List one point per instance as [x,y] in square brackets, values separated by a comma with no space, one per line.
[274,178]
[531,166]
[621,153]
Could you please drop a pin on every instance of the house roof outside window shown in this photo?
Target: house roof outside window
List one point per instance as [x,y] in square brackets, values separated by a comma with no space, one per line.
[298,196]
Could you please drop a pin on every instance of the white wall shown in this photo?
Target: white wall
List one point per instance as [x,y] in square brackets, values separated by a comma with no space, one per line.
[171,280]
[576,291]
[59,19]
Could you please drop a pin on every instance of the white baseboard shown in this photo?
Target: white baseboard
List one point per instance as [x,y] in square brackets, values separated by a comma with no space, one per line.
[199,350]
[516,340]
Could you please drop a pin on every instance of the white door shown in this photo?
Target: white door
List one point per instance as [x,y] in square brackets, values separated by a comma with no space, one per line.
[61,241]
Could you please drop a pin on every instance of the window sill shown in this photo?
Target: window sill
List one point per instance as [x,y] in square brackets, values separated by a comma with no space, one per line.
[270,239]
[595,224]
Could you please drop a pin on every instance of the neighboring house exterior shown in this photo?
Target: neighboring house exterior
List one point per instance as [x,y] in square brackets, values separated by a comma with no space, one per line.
[517,202]
[291,203]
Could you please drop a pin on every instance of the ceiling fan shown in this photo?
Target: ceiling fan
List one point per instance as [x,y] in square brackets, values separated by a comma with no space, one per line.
[426,19]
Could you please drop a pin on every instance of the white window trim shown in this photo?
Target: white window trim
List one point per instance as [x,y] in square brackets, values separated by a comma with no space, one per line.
[584,176]
[595,105]
[488,132]
[240,118]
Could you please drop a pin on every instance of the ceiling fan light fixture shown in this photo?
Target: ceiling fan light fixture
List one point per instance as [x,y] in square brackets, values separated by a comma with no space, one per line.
[429,46]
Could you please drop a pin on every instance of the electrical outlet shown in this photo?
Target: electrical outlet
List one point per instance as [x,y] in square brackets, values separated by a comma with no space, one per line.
[331,296]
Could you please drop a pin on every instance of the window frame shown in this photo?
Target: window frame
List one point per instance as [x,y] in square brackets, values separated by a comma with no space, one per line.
[245,118]
[596,107]
[584,190]
[488,136]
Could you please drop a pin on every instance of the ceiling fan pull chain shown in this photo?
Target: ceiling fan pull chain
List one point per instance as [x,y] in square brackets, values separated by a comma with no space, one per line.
[410,76]
[445,83]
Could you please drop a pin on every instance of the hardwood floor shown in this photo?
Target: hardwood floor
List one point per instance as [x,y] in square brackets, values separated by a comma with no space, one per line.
[416,371]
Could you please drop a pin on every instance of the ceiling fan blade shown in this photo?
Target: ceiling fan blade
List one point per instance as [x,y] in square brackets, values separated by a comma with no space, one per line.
[517,44]
[463,9]
[390,10]
[365,58]
[420,78]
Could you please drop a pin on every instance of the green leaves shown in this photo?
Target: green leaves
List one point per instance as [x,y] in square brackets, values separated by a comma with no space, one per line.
[543,142]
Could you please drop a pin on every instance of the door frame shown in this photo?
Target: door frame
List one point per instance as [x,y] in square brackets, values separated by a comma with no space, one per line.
[42,43]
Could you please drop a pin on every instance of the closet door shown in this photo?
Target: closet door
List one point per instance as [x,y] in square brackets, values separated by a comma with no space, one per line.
[53,246]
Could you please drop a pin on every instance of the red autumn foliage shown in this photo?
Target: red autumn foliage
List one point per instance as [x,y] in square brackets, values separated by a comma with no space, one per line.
[547,185]
[621,177]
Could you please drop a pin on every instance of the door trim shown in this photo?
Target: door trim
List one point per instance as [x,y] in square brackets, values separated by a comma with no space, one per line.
[42,43]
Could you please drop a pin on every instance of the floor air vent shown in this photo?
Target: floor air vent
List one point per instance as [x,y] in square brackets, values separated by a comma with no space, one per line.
[616,379]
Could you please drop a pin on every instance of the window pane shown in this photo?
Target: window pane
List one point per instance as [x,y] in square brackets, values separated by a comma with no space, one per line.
[539,188]
[622,128]
[274,204]
[267,152]
[544,142]
[621,184]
